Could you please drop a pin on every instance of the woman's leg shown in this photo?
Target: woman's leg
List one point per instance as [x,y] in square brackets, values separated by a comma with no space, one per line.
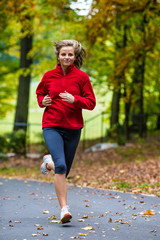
[55,144]
[71,141]
[61,189]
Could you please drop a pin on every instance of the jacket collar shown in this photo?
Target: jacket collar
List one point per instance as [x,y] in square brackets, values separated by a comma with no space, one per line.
[59,68]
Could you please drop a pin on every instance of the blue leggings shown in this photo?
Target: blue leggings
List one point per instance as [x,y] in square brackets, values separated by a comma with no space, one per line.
[62,144]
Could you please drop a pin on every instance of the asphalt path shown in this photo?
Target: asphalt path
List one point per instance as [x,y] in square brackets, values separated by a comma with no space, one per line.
[26,208]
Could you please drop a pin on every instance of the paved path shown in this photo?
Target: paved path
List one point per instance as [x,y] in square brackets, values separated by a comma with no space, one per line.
[111,215]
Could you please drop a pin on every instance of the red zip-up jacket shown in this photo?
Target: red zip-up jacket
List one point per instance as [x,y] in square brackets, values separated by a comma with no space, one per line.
[61,113]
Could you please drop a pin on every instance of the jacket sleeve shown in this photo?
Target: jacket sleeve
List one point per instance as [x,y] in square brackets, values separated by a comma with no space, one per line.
[87,99]
[41,91]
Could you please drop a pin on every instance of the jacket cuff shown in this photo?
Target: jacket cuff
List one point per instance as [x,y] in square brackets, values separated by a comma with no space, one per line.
[40,102]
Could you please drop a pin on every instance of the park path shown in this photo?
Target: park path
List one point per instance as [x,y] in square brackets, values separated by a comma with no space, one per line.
[97,214]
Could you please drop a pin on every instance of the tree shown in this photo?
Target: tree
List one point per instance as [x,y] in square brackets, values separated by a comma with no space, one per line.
[130,71]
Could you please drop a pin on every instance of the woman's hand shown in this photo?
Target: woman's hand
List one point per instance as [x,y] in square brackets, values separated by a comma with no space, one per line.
[67,97]
[46,101]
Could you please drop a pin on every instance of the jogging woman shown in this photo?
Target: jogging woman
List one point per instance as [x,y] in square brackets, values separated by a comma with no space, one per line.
[64,92]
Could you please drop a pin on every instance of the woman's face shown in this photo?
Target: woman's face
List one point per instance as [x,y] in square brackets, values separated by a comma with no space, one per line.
[66,56]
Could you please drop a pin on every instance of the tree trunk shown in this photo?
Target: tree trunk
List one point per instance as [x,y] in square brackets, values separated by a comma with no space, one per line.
[158,72]
[117,90]
[138,116]
[115,107]
[21,115]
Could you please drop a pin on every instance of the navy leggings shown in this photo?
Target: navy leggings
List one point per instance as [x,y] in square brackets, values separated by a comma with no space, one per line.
[62,144]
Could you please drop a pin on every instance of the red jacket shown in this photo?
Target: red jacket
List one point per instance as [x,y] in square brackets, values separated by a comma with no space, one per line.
[61,113]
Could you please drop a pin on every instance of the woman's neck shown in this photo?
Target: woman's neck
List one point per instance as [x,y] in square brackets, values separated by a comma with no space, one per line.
[64,69]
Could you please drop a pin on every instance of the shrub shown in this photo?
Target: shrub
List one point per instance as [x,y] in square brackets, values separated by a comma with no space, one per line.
[3,144]
[17,141]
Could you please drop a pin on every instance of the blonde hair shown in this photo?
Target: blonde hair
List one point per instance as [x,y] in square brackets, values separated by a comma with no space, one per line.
[80,53]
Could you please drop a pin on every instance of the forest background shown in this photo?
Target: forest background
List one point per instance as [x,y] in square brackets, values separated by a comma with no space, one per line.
[123,62]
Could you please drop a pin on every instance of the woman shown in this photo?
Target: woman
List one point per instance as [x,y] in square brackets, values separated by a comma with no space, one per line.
[64,92]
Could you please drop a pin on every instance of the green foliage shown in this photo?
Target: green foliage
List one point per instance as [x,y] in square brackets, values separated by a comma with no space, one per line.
[16,142]
[3,144]
[117,134]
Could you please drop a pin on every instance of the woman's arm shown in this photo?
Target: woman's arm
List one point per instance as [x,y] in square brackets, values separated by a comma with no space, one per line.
[87,100]
[42,94]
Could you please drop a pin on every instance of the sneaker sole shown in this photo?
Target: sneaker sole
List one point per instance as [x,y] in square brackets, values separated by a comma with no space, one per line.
[66,219]
[46,168]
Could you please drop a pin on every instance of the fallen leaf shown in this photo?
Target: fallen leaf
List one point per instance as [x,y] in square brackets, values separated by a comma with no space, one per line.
[127,222]
[149,212]
[110,220]
[17,221]
[88,228]
[40,228]
[35,234]
[45,212]
[80,220]
[74,237]
[82,234]
[115,229]
[85,216]
[153,231]
[45,234]
[119,220]
[55,221]
[52,217]
[11,225]
[37,225]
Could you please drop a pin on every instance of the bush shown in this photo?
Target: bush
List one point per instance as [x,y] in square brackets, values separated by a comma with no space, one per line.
[117,134]
[3,144]
[17,141]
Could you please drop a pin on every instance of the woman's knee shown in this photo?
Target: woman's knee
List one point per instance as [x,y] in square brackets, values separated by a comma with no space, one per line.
[60,168]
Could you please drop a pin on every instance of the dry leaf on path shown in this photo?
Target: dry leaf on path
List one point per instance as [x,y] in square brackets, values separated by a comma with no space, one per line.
[110,220]
[40,228]
[149,212]
[82,234]
[52,217]
[80,220]
[55,221]
[45,212]
[37,225]
[45,234]
[88,228]
[35,234]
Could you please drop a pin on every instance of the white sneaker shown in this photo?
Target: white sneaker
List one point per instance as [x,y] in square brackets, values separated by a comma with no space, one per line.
[46,159]
[65,215]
